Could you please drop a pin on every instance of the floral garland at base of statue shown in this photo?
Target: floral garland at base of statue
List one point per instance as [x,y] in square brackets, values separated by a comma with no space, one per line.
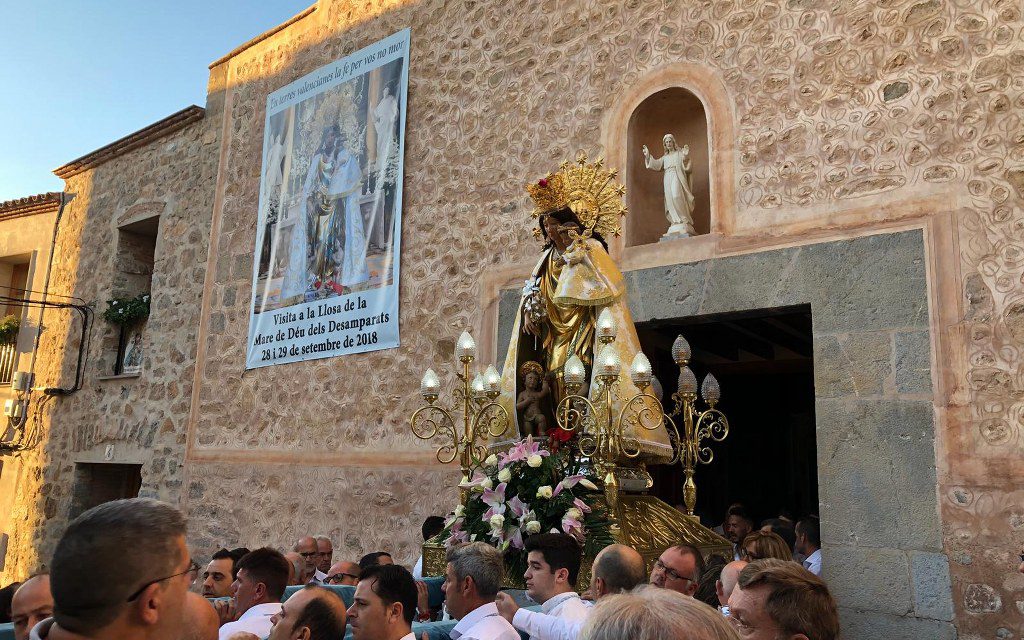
[525,491]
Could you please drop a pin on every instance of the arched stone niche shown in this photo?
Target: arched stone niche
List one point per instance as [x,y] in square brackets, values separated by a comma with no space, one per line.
[673,111]
[690,101]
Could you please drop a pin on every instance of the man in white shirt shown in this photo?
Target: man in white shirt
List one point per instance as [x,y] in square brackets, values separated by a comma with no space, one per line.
[325,558]
[384,604]
[808,542]
[617,569]
[306,547]
[256,592]
[552,566]
[472,578]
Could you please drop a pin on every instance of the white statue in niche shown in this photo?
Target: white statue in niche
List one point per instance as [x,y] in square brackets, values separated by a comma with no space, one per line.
[678,180]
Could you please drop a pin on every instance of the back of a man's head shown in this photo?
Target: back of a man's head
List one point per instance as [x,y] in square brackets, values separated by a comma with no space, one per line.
[810,529]
[797,600]
[620,567]
[267,566]
[373,559]
[727,581]
[323,613]
[481,561]
[650,613]
[108,553]
[432,526]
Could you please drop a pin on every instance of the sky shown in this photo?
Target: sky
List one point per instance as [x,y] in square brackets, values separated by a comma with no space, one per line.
[77,75]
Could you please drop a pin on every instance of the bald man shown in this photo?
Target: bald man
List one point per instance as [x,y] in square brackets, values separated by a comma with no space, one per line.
[295,572]
[727,582]
[312,613]
[343,572]
[32,602]
[617,568]
[306,547]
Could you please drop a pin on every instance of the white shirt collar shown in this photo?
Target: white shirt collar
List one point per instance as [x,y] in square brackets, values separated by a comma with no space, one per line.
[469,620]
[554,601]
[265,609]
[408,636]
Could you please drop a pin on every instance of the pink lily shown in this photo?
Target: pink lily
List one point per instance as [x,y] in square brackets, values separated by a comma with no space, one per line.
[521,451]
[573,527]
[495,497]
[457,535]
[518,507]
[477,481]
[567,483]
[516,539]
[582,506]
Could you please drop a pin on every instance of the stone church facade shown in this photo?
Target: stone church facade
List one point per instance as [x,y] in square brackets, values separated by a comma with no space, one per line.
[863,160]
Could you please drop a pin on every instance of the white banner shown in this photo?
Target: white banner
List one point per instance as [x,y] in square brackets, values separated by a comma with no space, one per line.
[325,277]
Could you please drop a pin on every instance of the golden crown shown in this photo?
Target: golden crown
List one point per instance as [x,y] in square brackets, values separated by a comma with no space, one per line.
[589,189]
[531,366]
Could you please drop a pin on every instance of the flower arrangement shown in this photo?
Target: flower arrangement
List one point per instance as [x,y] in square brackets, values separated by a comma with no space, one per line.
[524,491]
[9,327]
[127,311]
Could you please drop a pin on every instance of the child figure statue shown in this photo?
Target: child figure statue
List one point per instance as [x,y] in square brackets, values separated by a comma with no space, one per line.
[530,400]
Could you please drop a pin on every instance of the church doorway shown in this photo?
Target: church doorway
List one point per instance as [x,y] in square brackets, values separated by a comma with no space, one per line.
[764,362]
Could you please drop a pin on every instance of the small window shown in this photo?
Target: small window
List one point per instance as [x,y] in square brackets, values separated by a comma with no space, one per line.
[99,483]
[133,276]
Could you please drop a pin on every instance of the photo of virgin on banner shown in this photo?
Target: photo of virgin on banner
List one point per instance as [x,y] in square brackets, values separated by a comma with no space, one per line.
[325,274]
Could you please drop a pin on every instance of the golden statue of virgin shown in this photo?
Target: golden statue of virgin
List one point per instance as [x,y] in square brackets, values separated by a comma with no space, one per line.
[575,279]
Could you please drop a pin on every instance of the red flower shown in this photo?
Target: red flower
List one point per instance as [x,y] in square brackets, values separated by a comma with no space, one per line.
[543,182]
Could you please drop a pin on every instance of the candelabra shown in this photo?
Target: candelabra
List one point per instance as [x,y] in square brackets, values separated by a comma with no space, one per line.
[608,438]
[473,407]
[698,425]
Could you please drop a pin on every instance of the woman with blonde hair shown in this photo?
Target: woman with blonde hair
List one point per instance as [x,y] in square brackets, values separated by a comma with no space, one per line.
[650,613]
[764,544]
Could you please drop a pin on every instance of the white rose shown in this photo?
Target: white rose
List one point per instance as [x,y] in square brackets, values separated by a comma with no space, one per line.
[460,511]
[487,483]
[588,484]
[497,521]
[535,460]
[544,492]
[532,527]
[574,513]
[491,461]
[504,475]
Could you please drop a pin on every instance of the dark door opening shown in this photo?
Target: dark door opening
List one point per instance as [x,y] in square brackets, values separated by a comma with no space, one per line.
[99,483]
[764,363]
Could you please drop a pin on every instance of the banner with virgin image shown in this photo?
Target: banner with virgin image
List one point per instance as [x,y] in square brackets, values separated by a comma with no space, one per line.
[326,267]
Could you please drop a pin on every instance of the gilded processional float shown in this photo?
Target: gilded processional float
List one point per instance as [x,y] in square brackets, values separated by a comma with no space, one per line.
[560,439]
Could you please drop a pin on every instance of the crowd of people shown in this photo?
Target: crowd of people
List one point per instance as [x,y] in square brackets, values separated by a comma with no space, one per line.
[123,570]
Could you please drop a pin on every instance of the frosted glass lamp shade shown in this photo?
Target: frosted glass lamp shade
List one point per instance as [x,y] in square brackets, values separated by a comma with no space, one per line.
[606,325]
[430,386]
[681,351]
[465,348]
[640,370]
[710,390]
[687,381]
[574,372]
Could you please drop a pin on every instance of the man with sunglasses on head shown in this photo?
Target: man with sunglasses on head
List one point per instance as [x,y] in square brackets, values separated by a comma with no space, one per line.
[343,573]
[257,593]
[121,570]
[679,568]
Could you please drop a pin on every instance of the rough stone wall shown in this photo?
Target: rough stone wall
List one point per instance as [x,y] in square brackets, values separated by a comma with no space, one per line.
[835,105]
[144,417]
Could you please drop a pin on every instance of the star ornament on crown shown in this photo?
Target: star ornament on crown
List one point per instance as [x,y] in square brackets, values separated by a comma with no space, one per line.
[588,188]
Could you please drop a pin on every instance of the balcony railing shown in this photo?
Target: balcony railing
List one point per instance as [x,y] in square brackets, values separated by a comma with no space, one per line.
[8,354]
